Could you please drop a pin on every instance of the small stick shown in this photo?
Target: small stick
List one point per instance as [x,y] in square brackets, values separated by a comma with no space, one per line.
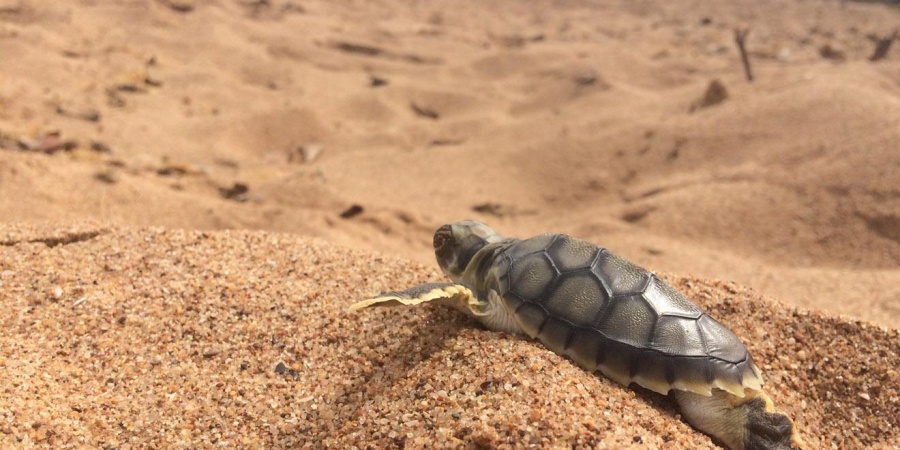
[740,37]
[882,46]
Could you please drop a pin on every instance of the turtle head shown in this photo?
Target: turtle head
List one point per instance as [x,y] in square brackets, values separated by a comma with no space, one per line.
[456,243]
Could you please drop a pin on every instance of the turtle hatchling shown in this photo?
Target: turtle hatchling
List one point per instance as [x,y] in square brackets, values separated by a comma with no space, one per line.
[609,315]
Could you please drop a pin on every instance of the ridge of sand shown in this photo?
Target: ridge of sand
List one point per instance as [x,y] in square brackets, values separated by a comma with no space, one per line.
[148,337]
[574,116]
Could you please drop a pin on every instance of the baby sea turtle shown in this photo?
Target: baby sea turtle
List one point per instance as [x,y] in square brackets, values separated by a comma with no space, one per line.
[607,314]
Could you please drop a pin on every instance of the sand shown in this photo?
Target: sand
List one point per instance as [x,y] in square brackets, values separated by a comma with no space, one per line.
[329,126]
[580,117]
[149,338]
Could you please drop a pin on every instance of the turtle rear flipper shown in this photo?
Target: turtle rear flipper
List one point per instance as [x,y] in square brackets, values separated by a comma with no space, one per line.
[748,423]
[450,294]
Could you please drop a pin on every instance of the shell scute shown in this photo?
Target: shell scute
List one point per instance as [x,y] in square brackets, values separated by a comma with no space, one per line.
[532,245]
[727,376]
[501,269]
[629,320]
[571,254]
[513,302]
[651,370]
[720,341]
[692,374]
[530,276]
[531,318]
[620,275]
[615,361]
[666,301]
[555,334]
[584,346]
[579,297]
[677,336]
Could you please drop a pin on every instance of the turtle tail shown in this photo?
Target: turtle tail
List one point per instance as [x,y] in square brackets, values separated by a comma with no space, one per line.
[741,423]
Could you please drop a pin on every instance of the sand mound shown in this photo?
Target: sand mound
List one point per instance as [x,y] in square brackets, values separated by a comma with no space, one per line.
[582,117]
[115,337]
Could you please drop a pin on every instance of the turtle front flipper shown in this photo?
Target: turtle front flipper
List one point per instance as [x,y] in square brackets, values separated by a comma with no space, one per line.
[450,294]
[742,423]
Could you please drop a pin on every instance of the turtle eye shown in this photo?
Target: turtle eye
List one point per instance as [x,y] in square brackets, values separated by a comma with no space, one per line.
[440,240]
[443,238]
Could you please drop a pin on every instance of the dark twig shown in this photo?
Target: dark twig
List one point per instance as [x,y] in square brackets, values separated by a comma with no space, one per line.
[740,37]
[882,46]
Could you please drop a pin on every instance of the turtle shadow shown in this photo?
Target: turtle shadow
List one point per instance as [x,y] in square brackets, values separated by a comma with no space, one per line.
[668,407]
[664,404]
[398,359]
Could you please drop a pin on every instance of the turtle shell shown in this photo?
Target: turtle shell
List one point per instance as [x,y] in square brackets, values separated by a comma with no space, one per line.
[611,315]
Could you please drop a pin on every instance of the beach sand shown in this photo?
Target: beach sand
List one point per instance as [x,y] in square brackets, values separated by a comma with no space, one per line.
[181,178]
[149,338]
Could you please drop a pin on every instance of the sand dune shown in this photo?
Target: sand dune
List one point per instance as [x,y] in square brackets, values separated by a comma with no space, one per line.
[574,117]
